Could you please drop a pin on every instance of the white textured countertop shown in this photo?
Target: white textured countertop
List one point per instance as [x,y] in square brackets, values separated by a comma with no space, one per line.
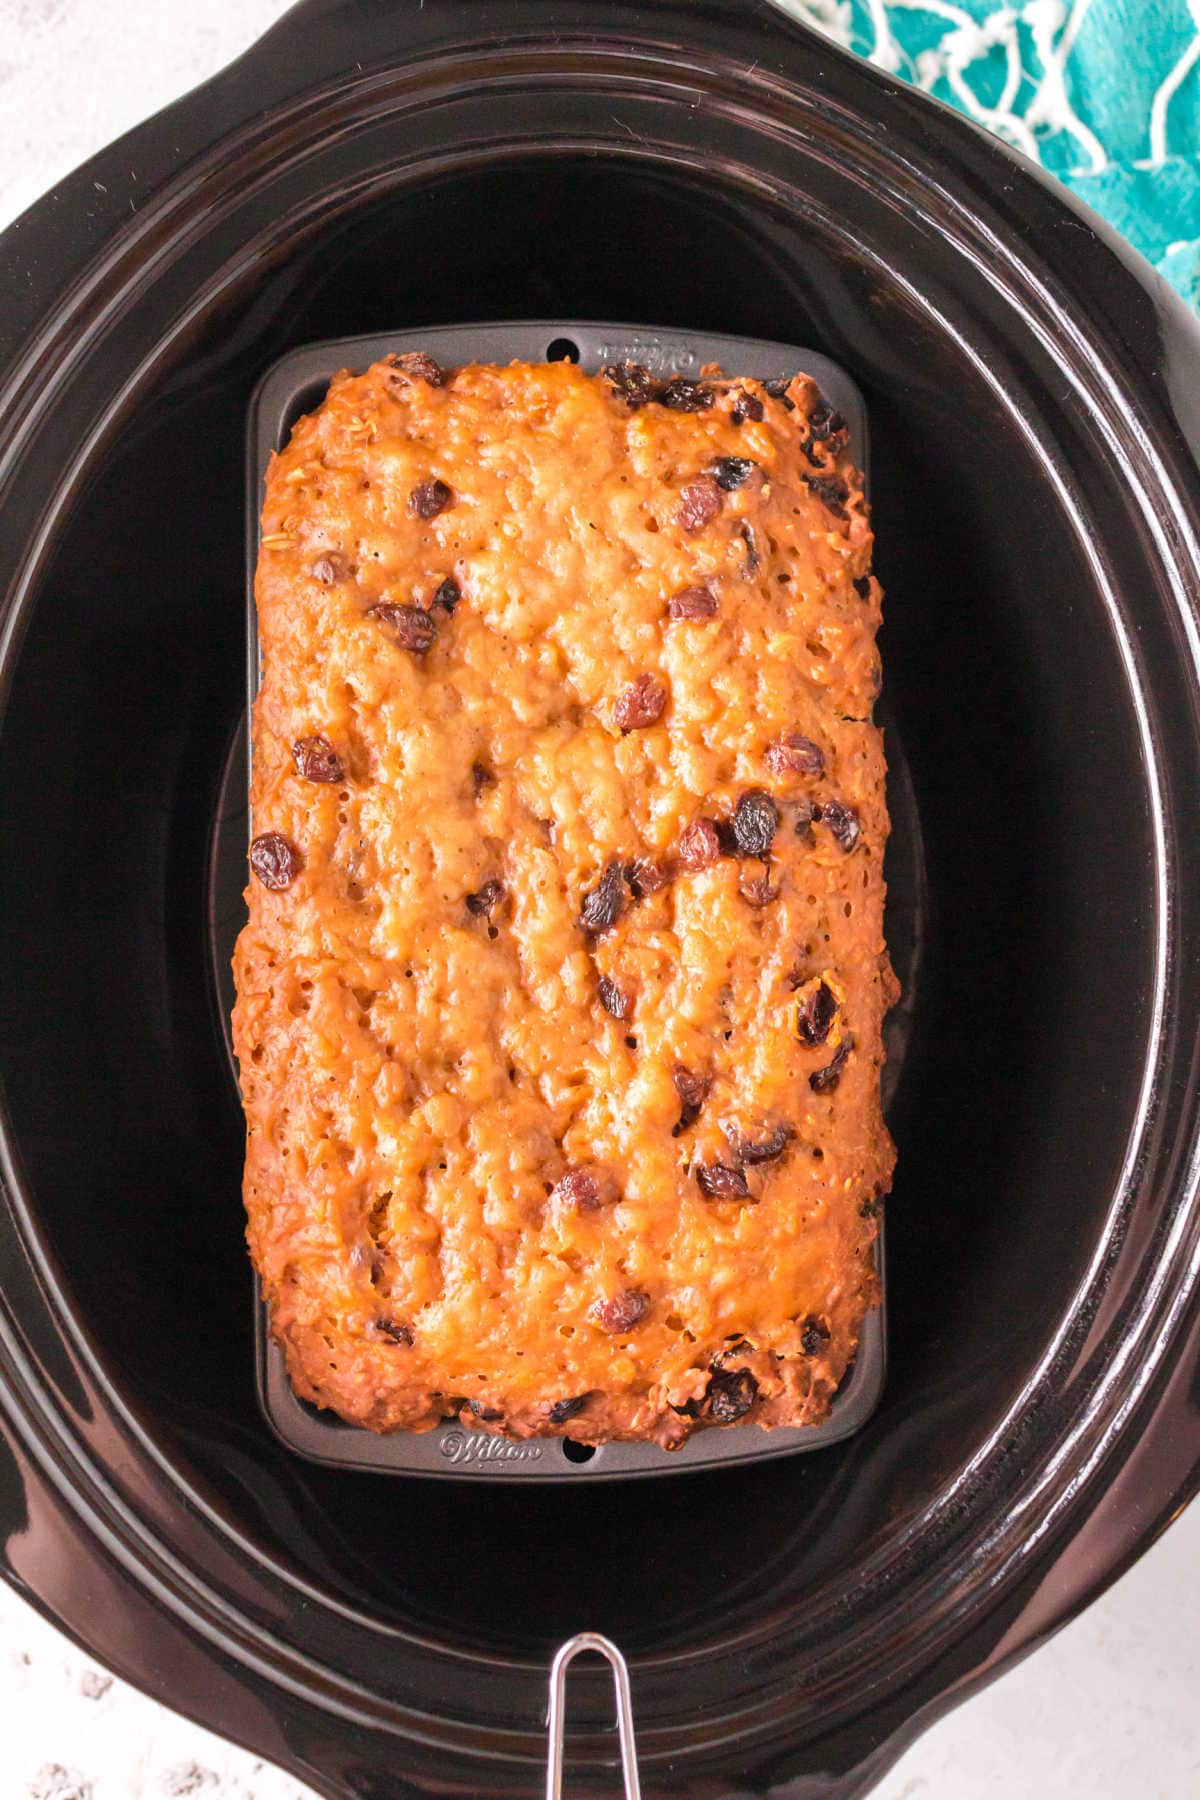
[1108,1710]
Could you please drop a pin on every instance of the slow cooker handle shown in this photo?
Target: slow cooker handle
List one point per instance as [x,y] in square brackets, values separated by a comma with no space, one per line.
[590,1640]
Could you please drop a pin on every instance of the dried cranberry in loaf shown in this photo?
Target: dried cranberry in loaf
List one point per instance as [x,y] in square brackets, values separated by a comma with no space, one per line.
[699,503]
[622,1311]
[316,759]
[643,703]
[429,498]
[274,860]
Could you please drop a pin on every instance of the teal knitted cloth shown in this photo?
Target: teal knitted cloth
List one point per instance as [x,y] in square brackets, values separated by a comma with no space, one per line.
[1104,93]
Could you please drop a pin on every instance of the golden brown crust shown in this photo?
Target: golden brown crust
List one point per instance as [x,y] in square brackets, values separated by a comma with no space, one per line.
[505,1150]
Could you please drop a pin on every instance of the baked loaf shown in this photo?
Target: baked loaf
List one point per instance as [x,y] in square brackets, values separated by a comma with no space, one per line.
[560,999]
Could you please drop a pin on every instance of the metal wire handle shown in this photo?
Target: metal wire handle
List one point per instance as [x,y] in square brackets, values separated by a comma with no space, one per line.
[591,1640]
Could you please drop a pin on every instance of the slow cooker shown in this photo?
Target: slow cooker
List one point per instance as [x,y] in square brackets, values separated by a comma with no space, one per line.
[372,166]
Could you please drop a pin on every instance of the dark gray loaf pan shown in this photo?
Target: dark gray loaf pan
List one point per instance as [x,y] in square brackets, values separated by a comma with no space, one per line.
[292,387]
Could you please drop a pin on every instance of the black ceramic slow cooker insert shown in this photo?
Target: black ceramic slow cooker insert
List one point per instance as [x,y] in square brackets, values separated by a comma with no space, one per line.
[1031,391]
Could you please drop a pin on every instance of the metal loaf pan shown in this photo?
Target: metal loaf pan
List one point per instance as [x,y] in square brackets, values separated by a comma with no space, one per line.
[293,386]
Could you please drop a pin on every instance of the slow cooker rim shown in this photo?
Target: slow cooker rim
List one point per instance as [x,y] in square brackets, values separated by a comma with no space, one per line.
[154,218]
